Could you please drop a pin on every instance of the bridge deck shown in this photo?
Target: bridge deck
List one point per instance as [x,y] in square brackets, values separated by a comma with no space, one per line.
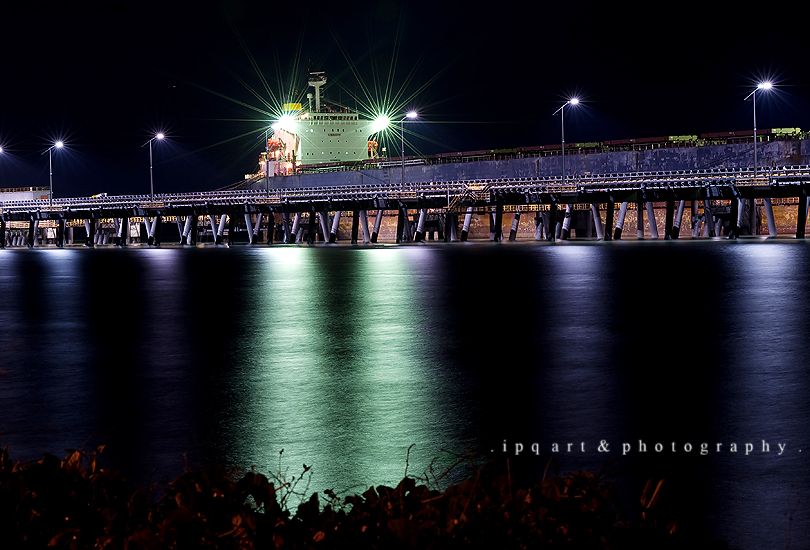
[787,181]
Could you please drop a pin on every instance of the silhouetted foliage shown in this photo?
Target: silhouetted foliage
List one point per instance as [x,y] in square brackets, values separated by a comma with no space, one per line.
[75,503]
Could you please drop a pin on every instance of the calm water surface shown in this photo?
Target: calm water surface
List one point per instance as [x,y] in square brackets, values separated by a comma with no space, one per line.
[344,357]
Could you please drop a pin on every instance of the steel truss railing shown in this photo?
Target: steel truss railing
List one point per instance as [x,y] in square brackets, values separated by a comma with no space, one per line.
[449,194]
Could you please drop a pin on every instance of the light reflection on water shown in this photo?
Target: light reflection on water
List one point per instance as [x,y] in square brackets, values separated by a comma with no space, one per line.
[344,357]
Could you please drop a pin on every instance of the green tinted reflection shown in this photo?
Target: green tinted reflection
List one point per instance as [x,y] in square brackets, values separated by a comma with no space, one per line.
[333,377]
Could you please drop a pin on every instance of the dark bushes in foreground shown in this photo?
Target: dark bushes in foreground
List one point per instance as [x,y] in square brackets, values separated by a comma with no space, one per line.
[75,503]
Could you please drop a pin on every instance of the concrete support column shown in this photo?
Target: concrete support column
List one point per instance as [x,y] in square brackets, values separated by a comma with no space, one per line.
[271,228]
[335,225]
[401,220]
[90,226]
[311,229]
[407,236]
[640,220]
[597,220]
[258,227]
[539,224]
[156,223]
[801,221]
[465,228]
[708,218]
[2,233]
[651,219]
[453,228]
[498,223]
[695,219]
[670,220]
[148,231]
[32,233]
[213,223]
[419,236]
[60,232]
[324,219]
[148,227]
[736,212]
[611,207]
[355,224]
[364,226]
[738,215]
[377,222]
[752,215]
[192,235]
[294,230]
[769,214]
[285,222]
[513,230]
[231,230]
[554,231]
[123,232]
[248,225]
[153,230]
[223,219]
[566,225]
[676,223]
[617,232]
[184,239]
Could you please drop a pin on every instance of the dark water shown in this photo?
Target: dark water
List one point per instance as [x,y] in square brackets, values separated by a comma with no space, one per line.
[344,357]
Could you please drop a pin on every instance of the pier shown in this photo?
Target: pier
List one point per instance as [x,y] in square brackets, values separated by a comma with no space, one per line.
[719,200]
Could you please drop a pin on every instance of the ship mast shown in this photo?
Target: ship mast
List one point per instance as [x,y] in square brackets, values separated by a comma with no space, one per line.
[316,80]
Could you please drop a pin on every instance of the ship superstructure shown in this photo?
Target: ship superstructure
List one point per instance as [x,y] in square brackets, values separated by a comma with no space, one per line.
[324,132]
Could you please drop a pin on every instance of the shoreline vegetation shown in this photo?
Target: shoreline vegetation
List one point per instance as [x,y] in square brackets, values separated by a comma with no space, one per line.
[76,503]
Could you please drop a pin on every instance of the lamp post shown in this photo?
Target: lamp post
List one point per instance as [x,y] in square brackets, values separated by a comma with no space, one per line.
[410,115]
[573,101]
[267,160]
[57,145]
[158,136]
[764,86]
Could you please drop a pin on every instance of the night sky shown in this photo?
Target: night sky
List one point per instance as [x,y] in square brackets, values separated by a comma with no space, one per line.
[104,76]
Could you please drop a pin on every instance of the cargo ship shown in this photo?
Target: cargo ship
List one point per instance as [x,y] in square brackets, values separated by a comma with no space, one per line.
[324,132]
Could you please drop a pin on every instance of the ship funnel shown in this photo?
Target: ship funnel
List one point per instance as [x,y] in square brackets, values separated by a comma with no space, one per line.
[316,80]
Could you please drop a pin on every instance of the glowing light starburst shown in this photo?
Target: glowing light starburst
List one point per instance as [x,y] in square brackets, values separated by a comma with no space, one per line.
[381,122]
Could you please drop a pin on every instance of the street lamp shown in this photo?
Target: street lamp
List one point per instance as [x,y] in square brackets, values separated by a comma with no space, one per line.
[158,136]
[573,102]
[57,145]
[764,86]
[410,115]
